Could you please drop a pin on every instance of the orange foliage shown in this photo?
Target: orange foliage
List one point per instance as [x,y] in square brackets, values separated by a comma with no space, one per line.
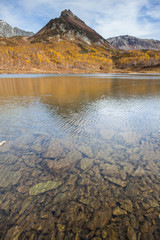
[63,54]
[68,55]
[137,58]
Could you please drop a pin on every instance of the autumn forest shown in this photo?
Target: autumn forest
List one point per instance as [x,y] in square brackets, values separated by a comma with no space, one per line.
[19,54]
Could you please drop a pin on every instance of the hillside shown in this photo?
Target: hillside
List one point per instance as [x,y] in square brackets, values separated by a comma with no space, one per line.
[126,42]
[19,55]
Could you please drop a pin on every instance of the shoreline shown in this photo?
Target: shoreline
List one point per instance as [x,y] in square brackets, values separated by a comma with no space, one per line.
[73,71]
[56,71]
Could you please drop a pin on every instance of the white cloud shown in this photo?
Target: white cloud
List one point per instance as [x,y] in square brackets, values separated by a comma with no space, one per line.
[107,17]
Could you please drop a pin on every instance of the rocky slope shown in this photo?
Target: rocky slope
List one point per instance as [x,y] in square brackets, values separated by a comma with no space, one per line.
[69,26]
[126,42]
[7,31]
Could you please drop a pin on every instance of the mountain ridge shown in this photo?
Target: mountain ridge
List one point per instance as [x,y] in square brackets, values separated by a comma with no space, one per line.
[7,31]
[126,43]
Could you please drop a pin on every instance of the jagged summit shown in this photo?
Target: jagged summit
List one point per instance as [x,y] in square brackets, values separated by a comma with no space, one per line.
[7,31]
[126,42]
[69,26]
[66,13]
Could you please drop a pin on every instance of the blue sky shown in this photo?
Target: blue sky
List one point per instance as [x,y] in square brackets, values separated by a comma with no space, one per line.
[140,18]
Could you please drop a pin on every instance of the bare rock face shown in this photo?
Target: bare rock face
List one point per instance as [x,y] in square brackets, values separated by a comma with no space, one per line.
[70,26]
[126,42]
[7,31]
[20,32]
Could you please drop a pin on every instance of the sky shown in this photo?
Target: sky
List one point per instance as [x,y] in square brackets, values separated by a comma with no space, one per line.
[110,18]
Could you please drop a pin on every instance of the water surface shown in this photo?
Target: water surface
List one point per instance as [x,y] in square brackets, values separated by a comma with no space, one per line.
[82,156]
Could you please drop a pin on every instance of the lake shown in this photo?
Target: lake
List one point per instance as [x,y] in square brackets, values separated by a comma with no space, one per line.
[81,158]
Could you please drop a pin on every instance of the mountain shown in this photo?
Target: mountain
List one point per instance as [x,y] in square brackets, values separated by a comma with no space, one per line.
[20,32]
[70,27]
[67,45]
[126,42]
[7,31]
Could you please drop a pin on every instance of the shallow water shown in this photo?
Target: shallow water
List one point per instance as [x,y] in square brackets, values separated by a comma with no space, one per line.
[81,158]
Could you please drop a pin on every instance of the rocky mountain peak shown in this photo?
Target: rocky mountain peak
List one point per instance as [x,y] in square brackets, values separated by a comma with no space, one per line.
[69,26]
[69,16]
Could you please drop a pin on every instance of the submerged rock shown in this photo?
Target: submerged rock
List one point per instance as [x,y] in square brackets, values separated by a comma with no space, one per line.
[90,202]
[131,234]
[54,150]
[132,189]
[139,172]
[117,181]
[127,205]
[8,159]
[86,163]
[85,150]
[112,234]
[118,211]
[9,178]
[99,219]
[72,179]
[146,227]
[14,233]
[127,167]
[134,222]
[96,172]
[70,159]
[44,187]
[153,203]
[112,170]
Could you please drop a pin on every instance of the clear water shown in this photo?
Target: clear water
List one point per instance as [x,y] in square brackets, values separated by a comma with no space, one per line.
[81,158]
